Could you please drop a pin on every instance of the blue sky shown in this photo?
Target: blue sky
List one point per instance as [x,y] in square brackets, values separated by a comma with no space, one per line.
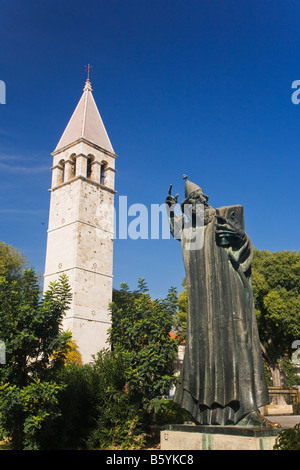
[201,87]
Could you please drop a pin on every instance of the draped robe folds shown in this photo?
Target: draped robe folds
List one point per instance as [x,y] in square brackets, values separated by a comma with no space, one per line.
[222,378]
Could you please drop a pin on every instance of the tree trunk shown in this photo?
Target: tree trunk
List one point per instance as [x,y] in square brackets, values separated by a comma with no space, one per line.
[275,372]
[273,366]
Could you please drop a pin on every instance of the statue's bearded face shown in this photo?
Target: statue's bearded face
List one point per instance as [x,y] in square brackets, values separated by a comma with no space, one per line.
[193,209]
[194,205]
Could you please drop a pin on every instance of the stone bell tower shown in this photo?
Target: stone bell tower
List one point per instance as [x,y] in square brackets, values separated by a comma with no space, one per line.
[80,231]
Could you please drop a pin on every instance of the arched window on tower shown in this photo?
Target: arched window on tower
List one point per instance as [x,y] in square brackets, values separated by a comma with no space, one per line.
[103,172]
[73,168]
[89,170]
[61,172]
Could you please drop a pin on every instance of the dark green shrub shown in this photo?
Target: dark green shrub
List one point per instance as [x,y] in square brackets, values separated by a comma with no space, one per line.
[95,410]
[24,412]
[166,411]
[35,348]
[288,439]
[77,404]
[117,417]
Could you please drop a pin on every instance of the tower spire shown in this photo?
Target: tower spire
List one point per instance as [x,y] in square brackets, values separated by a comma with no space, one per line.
[86,122]
[88,86]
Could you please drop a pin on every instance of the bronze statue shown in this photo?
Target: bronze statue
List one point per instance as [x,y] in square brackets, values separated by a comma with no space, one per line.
[222,380]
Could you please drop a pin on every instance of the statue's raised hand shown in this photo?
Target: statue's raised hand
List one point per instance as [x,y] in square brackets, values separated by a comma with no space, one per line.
[171,200]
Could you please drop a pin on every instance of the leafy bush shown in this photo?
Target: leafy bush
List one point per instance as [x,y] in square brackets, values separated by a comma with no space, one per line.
[288,439]
[24,411]
[95,410]
[77,404]
[35,351]
[166,411]
[140,334]
[117,417]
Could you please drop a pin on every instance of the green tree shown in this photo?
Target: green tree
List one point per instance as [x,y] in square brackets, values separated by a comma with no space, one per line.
[276,287]
[35,347]
[31,327]
[117,417]
[78,400]
[140,333]
[288,439]
[24,411]
[95,409]
[12,262]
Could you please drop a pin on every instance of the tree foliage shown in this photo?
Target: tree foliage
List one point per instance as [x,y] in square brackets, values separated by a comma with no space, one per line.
[12,262]
[140,333]
[24,411]
[276,287]
[49,399]
[118,422]
[288,439]
[30,329]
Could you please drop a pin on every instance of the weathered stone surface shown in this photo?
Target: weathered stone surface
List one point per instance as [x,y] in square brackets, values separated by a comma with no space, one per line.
[228,430]
[185,440]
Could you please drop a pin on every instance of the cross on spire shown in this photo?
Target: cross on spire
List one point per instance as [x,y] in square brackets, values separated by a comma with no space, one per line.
[88,68]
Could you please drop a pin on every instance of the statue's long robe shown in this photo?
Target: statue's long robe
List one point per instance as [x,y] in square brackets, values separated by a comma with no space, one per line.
[222,378]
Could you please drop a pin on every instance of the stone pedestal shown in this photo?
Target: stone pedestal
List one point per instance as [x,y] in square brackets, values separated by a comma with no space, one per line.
[191,437]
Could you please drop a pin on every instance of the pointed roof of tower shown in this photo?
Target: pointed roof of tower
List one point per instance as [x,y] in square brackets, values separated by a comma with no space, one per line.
[86,123]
